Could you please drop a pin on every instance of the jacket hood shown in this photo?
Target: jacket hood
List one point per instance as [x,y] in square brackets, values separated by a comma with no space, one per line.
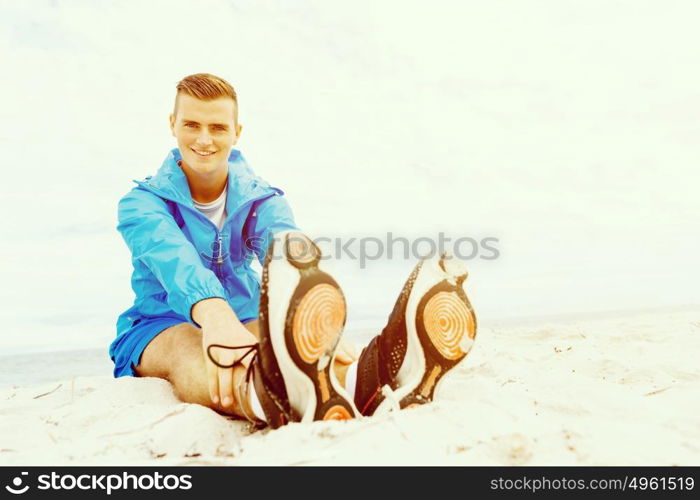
[243,185]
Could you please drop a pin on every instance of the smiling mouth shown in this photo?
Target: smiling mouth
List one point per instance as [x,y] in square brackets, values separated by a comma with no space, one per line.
[203,154]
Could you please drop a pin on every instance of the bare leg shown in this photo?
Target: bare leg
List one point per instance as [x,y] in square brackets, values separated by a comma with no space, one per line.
[176,355]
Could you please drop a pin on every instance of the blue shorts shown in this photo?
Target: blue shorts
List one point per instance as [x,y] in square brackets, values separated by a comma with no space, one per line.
[127,348]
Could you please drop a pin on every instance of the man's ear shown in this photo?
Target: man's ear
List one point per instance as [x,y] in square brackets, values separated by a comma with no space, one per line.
[239,129]
[171,118]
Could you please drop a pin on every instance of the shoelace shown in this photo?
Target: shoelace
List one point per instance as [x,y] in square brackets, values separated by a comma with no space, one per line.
[391,396]
[251,348]
[248,373]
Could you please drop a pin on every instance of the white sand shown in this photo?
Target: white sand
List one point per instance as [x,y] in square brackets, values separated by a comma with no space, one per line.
[613,391]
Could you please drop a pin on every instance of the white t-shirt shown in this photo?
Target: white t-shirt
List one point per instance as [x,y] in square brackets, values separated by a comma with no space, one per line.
[215,210]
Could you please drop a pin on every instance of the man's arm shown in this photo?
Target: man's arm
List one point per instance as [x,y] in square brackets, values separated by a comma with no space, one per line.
[220,326]
[273,215]
[155,239]
[193,291]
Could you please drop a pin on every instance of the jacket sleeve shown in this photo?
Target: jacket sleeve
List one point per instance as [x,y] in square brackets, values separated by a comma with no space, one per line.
[154,238]
[271,216]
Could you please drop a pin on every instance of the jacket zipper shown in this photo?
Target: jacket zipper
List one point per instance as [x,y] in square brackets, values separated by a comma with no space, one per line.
[217,258]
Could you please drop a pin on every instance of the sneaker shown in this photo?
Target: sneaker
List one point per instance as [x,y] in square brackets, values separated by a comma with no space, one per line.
[430,331]
[302,315]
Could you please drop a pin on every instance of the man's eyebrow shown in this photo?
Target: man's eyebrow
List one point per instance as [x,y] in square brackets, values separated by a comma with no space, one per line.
[211,125]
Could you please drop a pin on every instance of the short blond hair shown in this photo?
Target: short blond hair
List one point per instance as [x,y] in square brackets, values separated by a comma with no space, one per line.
[206,87]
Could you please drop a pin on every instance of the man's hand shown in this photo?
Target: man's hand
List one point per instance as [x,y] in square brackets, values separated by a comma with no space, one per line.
[221,326]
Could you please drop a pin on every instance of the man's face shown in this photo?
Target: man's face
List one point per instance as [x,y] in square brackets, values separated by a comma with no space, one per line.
[205,132]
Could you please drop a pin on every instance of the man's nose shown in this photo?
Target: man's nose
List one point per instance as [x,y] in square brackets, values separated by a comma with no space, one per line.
[204,138]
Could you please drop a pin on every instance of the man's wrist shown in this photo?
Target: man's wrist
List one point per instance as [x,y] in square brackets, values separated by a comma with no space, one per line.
[212,310]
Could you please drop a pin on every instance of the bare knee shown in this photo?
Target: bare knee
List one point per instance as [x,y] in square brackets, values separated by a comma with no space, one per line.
[169,350]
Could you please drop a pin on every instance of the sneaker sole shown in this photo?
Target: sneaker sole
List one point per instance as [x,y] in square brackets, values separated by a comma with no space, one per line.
[441,328]
[307,315]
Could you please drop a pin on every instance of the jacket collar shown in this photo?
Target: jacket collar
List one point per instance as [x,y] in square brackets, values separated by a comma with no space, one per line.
[243,184]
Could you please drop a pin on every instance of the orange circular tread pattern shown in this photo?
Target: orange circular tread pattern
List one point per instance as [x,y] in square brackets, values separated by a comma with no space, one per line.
[337,412]
[318,320]
[447,320]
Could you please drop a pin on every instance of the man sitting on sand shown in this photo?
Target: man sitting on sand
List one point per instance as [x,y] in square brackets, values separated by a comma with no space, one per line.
[269,352]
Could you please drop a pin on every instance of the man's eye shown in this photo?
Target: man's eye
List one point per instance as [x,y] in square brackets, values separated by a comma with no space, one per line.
[191,125]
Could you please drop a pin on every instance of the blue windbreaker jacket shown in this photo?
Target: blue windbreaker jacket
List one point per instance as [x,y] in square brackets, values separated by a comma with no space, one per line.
[180,257]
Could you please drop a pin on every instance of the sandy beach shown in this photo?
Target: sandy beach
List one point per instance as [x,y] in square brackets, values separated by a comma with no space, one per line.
[621,390]
[565,131]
